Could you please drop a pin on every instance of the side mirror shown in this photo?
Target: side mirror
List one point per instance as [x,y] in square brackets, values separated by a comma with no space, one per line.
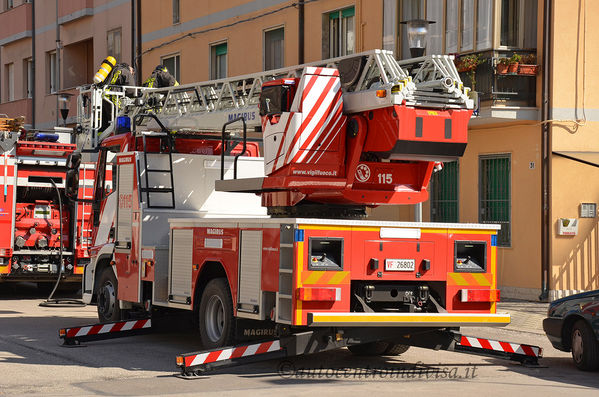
[74,160]
[72,178]
[72,184]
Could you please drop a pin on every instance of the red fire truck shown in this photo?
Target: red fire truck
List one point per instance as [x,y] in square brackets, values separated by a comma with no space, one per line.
[42,232]
[198,222]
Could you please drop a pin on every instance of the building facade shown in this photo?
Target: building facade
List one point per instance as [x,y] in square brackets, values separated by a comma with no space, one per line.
[532,157]
[43,60]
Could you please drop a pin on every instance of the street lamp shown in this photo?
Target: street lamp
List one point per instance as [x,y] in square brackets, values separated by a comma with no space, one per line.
[417,31]
[64,108]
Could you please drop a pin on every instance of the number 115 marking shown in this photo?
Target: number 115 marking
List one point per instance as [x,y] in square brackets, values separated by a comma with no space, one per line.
[385,179]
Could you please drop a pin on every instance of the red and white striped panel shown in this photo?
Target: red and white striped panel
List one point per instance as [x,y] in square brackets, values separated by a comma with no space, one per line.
[233,352]
[322,118]
[506,347]
[106,328]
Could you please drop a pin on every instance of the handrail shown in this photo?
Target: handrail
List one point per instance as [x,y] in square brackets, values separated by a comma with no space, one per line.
[223,145]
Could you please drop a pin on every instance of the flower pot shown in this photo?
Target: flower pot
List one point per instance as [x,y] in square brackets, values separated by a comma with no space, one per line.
[528,70]
[513,68]
[501,68]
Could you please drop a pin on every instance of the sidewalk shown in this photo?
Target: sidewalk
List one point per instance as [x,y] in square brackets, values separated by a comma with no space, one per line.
[526,316]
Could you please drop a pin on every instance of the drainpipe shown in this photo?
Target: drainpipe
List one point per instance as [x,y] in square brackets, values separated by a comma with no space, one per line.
[138,46]
[546,114]
[57,88]
[300,40]
[133,37]
[32,64]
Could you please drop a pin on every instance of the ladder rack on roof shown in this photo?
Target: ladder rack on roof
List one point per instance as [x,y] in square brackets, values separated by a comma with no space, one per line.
[429,82]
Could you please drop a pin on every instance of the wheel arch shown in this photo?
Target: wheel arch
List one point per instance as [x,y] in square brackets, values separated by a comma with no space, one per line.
[101,263]
[209,271]
[567,329]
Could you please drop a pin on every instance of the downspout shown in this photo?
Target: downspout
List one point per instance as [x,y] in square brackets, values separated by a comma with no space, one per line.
[57,72]
[33,64]
[300,33]
[133,36]
[138,46]
[546,115]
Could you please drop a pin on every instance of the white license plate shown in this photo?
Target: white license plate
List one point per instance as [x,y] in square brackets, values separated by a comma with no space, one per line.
[400,265]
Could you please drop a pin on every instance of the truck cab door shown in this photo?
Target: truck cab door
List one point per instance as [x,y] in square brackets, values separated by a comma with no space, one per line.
[127,227]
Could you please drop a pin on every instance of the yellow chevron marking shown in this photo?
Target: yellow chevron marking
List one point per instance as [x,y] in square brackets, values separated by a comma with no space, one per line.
[417,318]
[458,278]
[481,279]
[313,277]
[299,267]
[338,278]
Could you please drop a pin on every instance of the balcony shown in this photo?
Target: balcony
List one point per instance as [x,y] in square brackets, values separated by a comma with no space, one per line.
[16,24]
[72,10]
[502,95]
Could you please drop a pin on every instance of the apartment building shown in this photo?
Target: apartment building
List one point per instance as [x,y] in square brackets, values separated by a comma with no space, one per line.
[48,48]
[532,158]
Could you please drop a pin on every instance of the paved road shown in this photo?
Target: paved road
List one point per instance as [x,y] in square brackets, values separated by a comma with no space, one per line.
[32,362]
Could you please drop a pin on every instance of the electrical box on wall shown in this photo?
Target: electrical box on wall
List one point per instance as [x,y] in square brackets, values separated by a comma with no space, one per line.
[567,226]
[588,210]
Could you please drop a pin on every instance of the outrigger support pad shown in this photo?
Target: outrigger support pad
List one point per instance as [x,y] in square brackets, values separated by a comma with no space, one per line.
[194,364]
[76,335]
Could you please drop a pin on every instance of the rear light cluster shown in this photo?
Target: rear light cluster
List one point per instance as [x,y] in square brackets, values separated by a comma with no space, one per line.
[479,295]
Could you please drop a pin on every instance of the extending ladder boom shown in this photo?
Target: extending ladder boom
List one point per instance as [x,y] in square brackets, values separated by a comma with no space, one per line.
[428,82]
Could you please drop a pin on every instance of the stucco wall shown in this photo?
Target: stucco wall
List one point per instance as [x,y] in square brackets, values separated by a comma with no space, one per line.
[519,265]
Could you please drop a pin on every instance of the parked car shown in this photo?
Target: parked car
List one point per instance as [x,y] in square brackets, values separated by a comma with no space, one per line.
[572,324]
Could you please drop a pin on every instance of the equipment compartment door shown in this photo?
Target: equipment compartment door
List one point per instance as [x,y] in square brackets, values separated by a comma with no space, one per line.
[250,272]
[181,265]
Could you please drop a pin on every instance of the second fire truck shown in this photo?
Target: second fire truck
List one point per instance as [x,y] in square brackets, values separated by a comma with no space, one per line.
[43,234]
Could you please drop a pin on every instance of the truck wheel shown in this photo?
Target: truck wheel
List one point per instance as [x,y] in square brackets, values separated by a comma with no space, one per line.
[395,349]
[585,347]
[369,349]
[108,304]
[216,314]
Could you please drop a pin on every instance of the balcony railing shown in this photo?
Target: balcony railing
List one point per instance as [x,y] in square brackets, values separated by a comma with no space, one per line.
[513,88]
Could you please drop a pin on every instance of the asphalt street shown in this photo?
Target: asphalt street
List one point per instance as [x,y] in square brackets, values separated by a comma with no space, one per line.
[33,362]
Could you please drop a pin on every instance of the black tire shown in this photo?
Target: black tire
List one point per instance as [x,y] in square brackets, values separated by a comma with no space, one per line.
[585,347]
[106,297]
[395,349]
[216,321]
[369,349]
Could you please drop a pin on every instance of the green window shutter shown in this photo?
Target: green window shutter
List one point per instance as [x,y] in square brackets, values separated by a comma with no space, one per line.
[348,12]
[444,201]
[495,194]
[220,49]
